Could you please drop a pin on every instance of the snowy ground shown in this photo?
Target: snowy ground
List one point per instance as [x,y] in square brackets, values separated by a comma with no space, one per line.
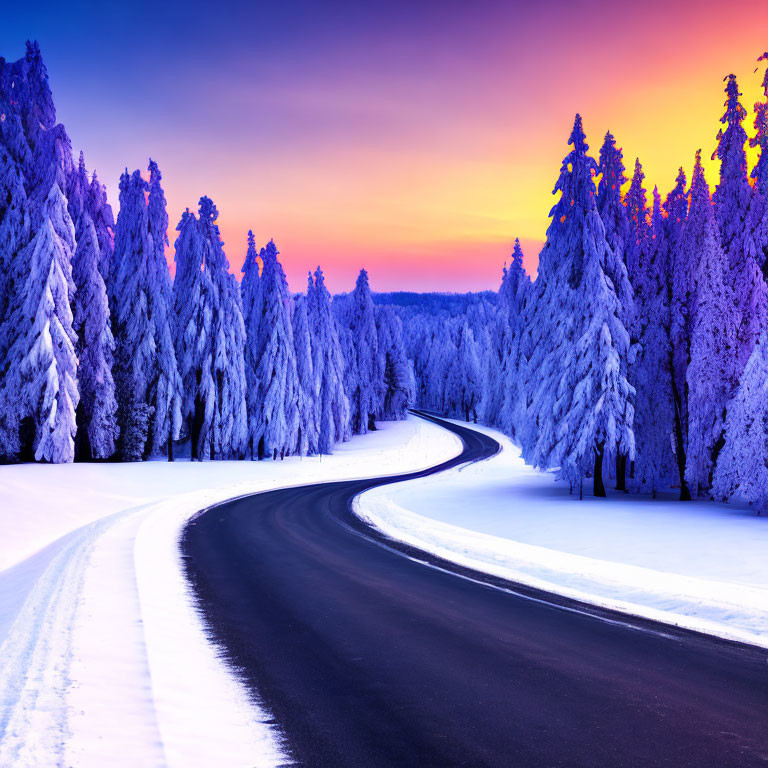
[103,659]
[699,565]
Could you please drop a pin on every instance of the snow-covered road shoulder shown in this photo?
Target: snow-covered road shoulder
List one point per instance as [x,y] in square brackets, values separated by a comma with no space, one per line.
[698,565]
[104,659]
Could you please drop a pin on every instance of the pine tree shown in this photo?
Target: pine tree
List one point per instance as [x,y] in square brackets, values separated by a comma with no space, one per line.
[273,394]
[581,404]
[14,235]
[191,327]
[737,215]
[34,98]
[135,359]
[514,372]
[742,465]
[363,375]
[97,411]
[12,136]
[234,438]
[636,202]
[104,223]
[218,361]
[679,286]
[760,139]
[618,232]
[759,207]
[43,380]
[164,392]
[732,195]
[249,286]
[398,378]
[328,366]
[652,369]
[307,435]
[710,373]
[466,376]
[622,239]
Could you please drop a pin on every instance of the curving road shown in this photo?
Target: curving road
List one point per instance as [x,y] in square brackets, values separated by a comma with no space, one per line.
[368,653]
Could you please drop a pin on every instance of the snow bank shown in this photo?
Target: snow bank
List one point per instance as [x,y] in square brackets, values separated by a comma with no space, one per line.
[103,657]
[699,565]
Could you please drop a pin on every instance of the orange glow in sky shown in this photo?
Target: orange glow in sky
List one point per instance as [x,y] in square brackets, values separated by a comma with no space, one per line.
[416,144]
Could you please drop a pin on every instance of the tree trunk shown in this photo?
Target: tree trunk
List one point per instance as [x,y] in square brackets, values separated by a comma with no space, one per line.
[170,448]
[27,431]
[621,472]
[598,487]
[685,494]
[197,426]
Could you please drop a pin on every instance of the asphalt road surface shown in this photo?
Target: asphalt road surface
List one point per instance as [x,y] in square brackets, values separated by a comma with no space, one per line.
[369,653]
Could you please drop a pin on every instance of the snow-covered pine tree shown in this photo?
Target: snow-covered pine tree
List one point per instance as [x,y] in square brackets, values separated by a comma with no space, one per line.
[191,327]
[209,336]
[235,437]
[760,139]
[12,136]
[97,430]
[738,218]
[496,351]
[135,356]
[500,329]
[636,202]
[219,406]
[14,235]
[438,367]
[466,384]
[732,195]
[742,465]
[398,377]
[41,385]
[710,373]
[103,221]
[759,207]
[273,396]
[618,231]
[593,408]
[363,371]
[28,112]
[654,420]
[610,167]
[164,392]
[38,387]
[581,404]
[623,241]
[34,98]
[514,371]
[97,415]
[680,283]
[250,295]
[308,417]
[249,285]
[328,366]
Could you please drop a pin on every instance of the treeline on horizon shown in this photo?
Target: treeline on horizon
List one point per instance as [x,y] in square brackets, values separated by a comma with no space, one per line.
[101,355]
[640,350]
[638,353]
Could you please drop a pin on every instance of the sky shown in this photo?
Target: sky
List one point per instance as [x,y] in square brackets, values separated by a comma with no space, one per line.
[416,139]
